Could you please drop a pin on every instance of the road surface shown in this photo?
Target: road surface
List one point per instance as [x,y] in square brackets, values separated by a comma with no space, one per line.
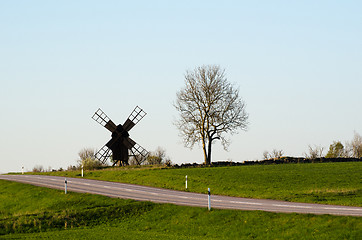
[159,195]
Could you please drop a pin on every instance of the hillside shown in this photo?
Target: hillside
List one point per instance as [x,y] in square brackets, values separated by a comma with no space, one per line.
[33,212]
[328,183]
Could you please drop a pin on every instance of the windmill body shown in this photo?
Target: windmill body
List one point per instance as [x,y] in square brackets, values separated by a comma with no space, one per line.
[121,146]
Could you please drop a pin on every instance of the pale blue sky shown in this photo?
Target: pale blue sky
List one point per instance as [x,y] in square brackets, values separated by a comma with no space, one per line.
[298,65]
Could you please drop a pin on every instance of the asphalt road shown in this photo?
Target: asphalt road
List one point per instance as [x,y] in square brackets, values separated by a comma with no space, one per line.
[159,195]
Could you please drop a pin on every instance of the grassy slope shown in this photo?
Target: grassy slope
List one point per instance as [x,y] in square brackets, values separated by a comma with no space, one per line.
[327,183]
[33,212]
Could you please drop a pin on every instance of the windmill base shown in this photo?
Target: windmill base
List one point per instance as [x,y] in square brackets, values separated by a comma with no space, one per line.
[120,163]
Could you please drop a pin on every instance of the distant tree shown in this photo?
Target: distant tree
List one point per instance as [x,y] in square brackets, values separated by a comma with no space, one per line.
[266,155]
[38,168]
[132,161]
[356,145]
[137,159]
[348,150]
[158,157]
[314,152]
[209,108]
[336,150]
[277,153]
[87,159]
[72,168]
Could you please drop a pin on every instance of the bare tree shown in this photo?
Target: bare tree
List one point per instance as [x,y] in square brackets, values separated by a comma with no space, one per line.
[209,107]
[314,152]
[348,150]
[356,145]
[351,148]
[277,153]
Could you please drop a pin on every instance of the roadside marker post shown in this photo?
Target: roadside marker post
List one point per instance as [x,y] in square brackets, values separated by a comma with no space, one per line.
[65,186]
[186,182]
[22,170]
[208,196]
[82,170]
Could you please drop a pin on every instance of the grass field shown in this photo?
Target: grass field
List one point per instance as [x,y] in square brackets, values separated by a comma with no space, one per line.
[327,183]
[32,212]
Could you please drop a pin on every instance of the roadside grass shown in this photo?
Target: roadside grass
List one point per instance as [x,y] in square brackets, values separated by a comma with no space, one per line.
[32,212]
[327,183]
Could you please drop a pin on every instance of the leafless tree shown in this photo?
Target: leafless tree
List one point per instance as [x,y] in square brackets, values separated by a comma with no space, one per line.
[348,150]
[356,145]
[353,148]
[209,107]
[314,152]
[274,154]
[266,155]
[277,153]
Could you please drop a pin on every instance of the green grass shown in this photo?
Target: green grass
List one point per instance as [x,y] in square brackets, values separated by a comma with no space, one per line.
[327,183]
[32,212]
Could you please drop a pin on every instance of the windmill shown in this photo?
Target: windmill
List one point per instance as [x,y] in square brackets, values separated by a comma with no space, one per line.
[121,146]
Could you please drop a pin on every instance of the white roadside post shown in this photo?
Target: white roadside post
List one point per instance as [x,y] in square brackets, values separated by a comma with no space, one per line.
[65,186]
[209,205]
[22,170]
[82,170]
[186,182]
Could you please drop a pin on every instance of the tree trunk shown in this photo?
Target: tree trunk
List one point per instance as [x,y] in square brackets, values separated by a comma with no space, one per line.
[208,154]
[206,157]
[205,152]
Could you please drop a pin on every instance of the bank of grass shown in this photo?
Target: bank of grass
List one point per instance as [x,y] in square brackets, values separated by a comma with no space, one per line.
[327,183]
[32,212]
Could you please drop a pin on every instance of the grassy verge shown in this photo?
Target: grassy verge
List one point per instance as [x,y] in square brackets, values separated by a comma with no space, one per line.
[327,183]
[33,212]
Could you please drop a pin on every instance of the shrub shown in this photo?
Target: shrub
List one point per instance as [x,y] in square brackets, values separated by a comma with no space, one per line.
[38,168]
[88,160]
[336,150]
[158,157]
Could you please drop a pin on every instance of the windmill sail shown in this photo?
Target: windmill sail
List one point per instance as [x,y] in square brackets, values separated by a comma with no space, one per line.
[136,115]
[100,117]
[103,154]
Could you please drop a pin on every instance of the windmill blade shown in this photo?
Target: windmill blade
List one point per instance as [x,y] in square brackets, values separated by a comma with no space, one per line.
[100,117]
[139,153]
[103,154]
[129,143]
[136,116]
[111,142]
[140,150]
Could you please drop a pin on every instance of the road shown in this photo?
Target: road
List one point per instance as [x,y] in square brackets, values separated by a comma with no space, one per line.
[159,195]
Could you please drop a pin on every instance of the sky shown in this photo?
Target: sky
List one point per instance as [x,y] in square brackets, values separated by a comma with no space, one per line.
[297,65]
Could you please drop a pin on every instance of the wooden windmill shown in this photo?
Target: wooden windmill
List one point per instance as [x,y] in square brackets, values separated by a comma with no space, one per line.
[121,146]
